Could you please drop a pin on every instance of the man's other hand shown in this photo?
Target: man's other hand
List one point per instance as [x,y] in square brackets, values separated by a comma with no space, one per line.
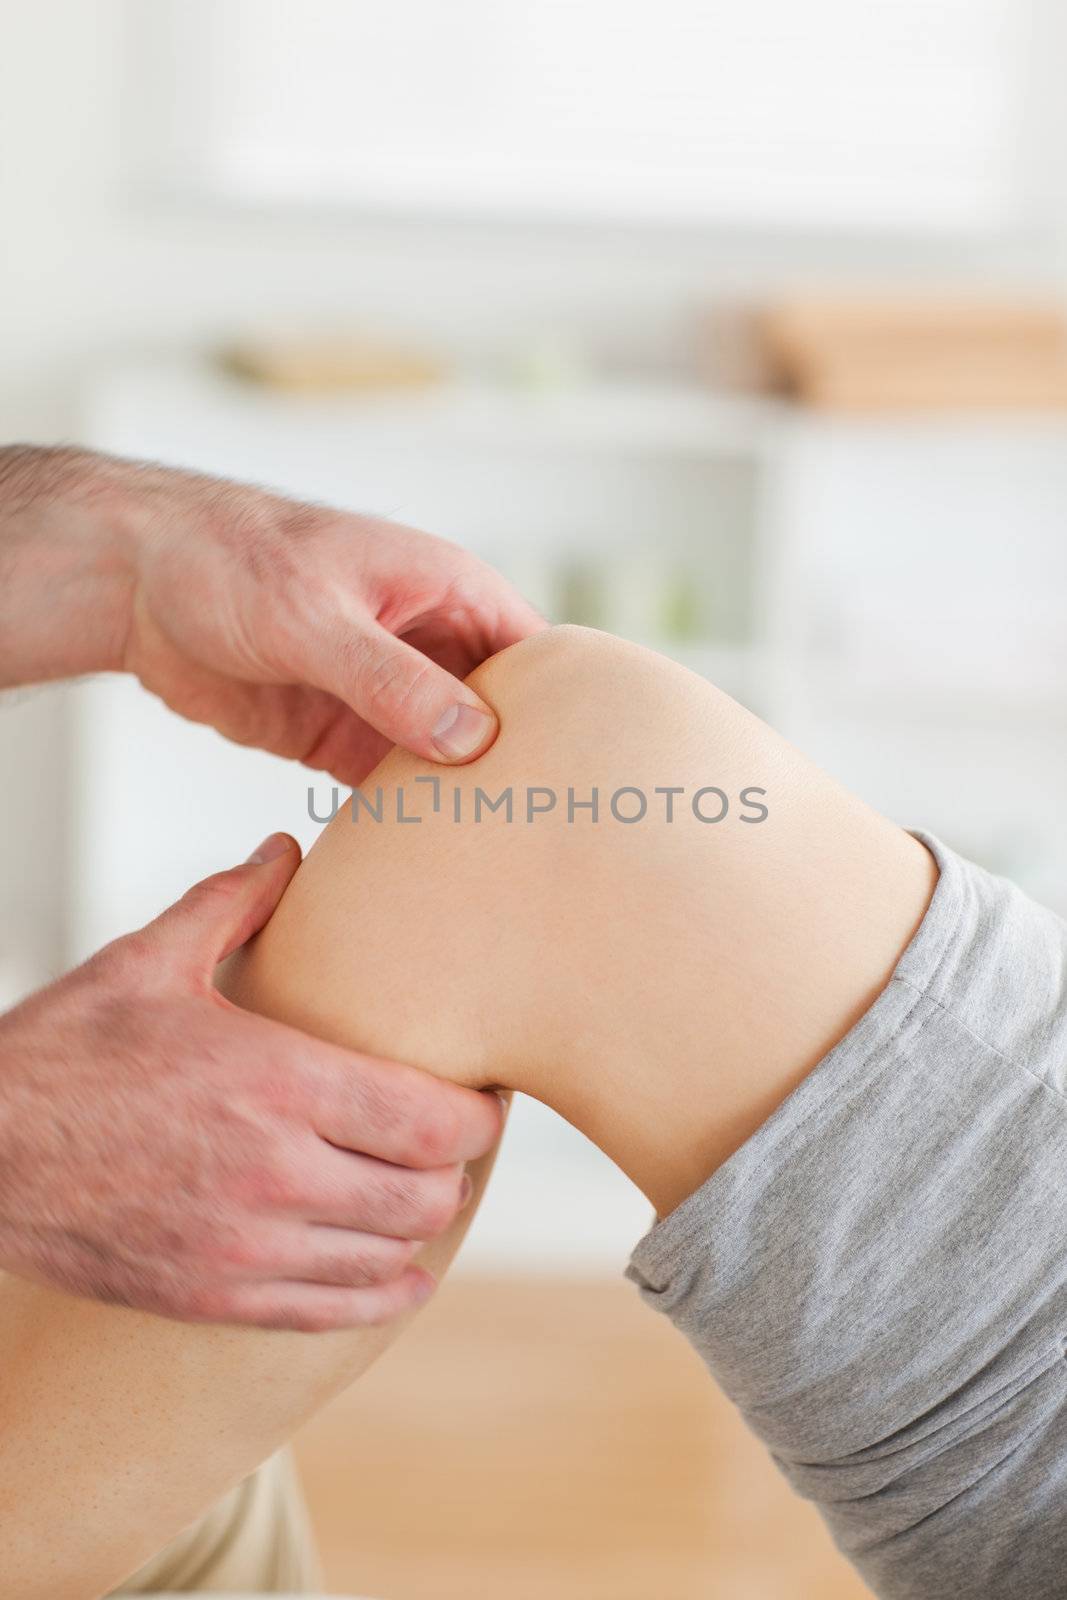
[161,1148]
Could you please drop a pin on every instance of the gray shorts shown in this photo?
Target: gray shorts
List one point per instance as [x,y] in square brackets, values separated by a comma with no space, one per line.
[878,1278]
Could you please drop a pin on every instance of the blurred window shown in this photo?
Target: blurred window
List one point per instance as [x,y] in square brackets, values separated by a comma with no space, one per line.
[905,113]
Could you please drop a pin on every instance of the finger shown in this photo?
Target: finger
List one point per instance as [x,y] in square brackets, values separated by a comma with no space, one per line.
[355,1191]
[341,744]
[319,1308]
[341,1256]
[408,698]
[217,915]
[515,621]
[398,1113]
[497,619]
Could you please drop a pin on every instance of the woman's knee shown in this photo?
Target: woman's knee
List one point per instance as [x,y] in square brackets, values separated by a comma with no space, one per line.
[634,895]
[577,697]
[478,913]
[447,914]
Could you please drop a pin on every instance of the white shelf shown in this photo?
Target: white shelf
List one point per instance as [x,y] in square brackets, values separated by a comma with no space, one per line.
[1039,705]
[168,400]
[160,400]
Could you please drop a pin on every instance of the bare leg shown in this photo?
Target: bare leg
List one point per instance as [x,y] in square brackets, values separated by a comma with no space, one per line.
[663,985]
[118,1429]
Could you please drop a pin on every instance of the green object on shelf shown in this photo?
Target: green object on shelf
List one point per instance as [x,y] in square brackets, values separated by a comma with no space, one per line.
[681,608]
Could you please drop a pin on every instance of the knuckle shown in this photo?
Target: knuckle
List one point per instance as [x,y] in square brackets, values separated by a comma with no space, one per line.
[392,1199]
[411,1201]
[311,1317]
[238,1248]
[370,1098]
[279,1084]
[417,1116]
[353,1272]
[213,893]
[439,1216]
[391,1257]
[391,683]
[435,1134]
[363,1268]
[179,1240]
[271,1185]
[193,1240]
[438,1205]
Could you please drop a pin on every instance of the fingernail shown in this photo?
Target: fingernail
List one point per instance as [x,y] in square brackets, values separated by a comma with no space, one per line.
[271,848]
[504,1102]
[461,731]
[466,1189]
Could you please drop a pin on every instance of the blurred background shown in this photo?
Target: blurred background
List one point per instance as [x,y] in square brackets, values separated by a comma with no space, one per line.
[738,329]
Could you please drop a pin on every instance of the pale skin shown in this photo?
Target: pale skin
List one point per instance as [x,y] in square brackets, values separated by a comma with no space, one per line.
[663,986]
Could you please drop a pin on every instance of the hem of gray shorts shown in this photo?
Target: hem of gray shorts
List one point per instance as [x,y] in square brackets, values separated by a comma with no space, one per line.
[925,968]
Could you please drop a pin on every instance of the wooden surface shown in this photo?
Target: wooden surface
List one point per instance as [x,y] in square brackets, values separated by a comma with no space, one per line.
[920,353]
[530,1439]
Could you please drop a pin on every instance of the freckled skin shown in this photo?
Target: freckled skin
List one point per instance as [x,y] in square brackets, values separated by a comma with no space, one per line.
[662,986]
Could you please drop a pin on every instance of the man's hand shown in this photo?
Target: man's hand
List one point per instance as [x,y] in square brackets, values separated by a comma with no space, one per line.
[313,633]
[163,1149]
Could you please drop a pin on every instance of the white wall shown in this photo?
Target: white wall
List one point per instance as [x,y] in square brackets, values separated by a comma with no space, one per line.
[85,271]
[35,760]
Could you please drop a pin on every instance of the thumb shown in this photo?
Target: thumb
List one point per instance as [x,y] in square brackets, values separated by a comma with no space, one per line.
[415,703]
[217,915]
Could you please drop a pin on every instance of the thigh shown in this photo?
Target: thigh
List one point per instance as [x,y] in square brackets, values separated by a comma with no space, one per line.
[256,1539]
[119,1429]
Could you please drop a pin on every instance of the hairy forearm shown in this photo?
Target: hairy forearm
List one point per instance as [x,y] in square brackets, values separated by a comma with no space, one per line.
[66,573]
[313,632]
